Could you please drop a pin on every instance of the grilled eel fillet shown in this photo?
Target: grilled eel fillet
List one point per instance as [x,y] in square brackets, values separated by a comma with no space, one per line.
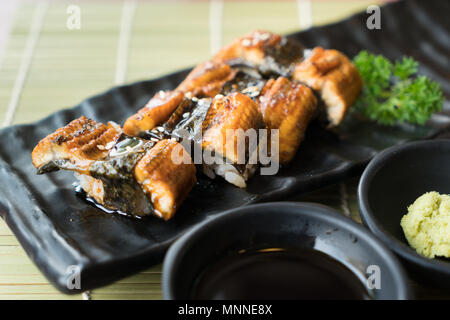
[205,80]
[272,53]
[165,181]
[156,111]
[230,130]
[219,125]
[336,79]
[75,146]
[125,174]
[289,107]
[232,112]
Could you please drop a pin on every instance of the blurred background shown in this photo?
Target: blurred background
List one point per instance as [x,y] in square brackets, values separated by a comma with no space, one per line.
[54,54]
[58,64]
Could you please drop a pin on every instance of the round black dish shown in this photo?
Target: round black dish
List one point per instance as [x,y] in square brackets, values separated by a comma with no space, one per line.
[391,182]
[280,224]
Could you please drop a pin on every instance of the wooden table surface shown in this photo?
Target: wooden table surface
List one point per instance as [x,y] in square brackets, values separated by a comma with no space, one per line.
[45,66]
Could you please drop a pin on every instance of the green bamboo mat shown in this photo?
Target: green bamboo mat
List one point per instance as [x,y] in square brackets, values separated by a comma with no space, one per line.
[66,66]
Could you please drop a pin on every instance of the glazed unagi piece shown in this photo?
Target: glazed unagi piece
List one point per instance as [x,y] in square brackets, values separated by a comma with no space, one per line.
[207,79]
[289,107]
[272,53]
[336,79]
[121,173]
[156,111]
[219,125]
[165,180]
[75,146]
[226,121]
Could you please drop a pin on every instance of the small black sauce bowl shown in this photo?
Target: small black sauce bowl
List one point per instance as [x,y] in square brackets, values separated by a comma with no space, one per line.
[281,225]
[392,181]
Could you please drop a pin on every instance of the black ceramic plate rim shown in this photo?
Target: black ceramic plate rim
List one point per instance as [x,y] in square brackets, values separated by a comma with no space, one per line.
[308,210]
[368,217]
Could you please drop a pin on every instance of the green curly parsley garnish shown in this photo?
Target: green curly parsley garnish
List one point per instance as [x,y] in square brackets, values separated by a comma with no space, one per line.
[393,93]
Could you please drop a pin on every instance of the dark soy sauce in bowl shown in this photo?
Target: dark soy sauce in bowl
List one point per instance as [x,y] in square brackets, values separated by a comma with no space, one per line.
[279,274]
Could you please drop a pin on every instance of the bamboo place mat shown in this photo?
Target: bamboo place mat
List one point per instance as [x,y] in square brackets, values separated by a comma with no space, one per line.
[46,67]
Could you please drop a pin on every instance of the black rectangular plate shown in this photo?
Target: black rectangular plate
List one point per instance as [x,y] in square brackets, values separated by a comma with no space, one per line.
[58,229]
